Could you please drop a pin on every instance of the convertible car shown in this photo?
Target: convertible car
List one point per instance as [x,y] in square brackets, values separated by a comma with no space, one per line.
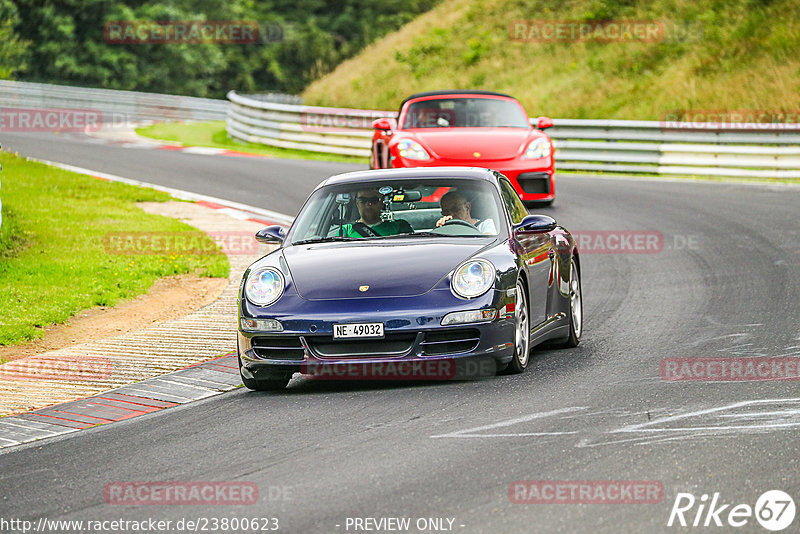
[473,129]
[414,270]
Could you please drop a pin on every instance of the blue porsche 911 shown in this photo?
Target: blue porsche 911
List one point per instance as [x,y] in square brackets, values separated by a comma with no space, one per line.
[408,274]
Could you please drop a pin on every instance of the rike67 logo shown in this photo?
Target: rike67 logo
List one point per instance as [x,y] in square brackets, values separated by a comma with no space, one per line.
[774,510]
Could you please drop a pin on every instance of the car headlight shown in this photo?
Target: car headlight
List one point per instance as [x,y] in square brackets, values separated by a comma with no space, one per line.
[538,148]
[411,150]
[473,278]
[264,286]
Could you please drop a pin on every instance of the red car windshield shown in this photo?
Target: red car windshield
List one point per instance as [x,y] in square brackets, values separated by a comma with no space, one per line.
[465,113]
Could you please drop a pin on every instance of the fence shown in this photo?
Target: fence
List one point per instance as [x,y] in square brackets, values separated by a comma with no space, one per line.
[115,106]
[736,150]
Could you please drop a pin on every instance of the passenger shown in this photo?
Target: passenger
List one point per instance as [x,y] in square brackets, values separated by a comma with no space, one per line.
[456,206]
[369,224]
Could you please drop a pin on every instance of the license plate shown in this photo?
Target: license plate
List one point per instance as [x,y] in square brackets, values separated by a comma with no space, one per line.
[354,330]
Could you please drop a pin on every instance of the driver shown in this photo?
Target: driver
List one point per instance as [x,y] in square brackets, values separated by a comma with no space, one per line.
[456,206]
[369,224]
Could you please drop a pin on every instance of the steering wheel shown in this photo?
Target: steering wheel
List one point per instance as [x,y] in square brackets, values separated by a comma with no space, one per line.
[460,222]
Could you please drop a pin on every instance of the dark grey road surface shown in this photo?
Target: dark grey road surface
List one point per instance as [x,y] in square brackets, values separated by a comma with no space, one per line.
[725,284]
[275,184]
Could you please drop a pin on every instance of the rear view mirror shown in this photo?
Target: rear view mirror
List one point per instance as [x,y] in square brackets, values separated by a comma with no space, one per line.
[271,235]
[407,196]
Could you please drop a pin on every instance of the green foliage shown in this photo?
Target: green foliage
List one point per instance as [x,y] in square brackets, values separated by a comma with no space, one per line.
[423,54]
[13,49]
[300,41]
[707,55]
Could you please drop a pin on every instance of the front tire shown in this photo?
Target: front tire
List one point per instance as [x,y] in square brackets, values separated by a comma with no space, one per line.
[522,331]
[575,306]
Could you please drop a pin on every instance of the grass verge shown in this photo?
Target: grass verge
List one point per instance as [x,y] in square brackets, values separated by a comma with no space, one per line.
[53,258]
[213,134]
[736,55]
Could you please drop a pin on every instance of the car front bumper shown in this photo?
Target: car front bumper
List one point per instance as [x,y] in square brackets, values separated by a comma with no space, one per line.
[414,346]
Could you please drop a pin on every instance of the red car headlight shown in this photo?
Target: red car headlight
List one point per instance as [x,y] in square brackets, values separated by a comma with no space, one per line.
[411,150]
[538,148]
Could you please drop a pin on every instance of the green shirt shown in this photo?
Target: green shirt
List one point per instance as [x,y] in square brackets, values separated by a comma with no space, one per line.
[382,228]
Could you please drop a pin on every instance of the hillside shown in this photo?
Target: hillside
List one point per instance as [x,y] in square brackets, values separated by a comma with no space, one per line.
[708,55]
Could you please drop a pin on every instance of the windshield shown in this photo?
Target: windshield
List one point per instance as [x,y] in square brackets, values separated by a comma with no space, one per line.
[465,112]
[426,209]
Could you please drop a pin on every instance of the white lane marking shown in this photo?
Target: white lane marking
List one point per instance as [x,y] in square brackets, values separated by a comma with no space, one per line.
[203,150]
[510,422]
[15,423]
[642,427]
[760,415]
[520,435]
[150,394]
[236,214]
[157,380]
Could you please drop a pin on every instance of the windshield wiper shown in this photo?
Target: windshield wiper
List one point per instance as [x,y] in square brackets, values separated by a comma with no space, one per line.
[326,239]
[432,234]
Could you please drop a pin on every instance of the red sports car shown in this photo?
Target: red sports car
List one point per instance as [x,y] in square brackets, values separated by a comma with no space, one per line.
[472,129]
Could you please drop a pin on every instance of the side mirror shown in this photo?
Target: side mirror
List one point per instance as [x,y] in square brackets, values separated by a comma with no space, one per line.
[544,122]
[535,224]
[385,123]
[271,235]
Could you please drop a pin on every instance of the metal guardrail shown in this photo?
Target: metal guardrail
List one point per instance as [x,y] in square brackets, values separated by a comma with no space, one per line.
[319,129]
[116,106]
[651,147]
[735,149]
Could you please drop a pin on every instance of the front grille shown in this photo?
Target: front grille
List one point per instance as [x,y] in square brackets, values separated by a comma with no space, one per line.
[278,347]
[534,182]
[393,345]
[450,341]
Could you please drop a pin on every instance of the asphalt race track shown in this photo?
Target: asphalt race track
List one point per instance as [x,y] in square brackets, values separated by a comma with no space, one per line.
[723,282]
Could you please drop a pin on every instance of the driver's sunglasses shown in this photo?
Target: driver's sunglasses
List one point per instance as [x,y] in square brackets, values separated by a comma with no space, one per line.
[368,200]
